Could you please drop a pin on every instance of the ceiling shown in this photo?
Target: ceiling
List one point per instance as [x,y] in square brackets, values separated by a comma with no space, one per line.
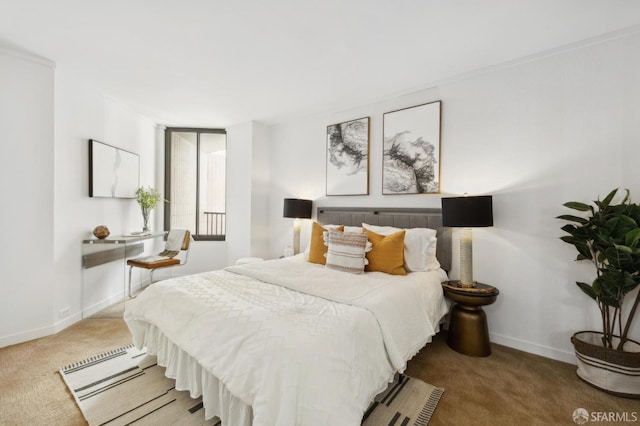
[213,63]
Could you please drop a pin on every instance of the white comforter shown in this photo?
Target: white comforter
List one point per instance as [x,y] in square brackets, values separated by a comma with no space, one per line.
[314,356]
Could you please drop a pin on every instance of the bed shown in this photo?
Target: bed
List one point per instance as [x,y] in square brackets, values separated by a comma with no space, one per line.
[289,341]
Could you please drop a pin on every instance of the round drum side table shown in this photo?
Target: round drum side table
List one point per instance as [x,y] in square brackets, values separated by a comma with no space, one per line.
[468,330]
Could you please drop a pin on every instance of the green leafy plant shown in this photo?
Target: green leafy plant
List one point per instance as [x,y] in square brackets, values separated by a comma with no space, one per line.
[608,235]
[148,200]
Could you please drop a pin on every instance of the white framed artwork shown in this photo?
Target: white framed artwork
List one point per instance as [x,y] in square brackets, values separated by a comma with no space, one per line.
[411,157]
[113,172]
[348,158]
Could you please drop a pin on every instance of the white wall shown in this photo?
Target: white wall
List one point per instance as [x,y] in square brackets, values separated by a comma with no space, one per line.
[26,182]
[238,191]
[260,184]
[47,119]
[248,174]
[82,112]
[535,135]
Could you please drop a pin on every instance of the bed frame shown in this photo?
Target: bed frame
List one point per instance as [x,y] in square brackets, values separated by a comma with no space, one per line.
[397,217]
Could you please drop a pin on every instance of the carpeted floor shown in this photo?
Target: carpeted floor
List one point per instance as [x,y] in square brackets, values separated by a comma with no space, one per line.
[508,388]
[32,391]
[114,311]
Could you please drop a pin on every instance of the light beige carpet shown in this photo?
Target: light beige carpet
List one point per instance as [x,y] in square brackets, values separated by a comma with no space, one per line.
[114,311]
[125,385]
[508,388]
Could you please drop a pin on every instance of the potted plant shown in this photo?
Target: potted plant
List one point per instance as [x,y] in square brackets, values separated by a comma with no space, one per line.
[148,200]
[608,235]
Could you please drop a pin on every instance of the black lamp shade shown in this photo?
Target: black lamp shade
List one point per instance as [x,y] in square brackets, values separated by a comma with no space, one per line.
[467,212]
[297,208]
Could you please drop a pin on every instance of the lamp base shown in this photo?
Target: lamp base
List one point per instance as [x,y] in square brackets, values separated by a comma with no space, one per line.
[466,258]
[296,236]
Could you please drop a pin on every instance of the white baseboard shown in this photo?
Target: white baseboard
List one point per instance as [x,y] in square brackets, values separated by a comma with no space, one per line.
[37,333]
[58,326]
[66,322]
[534,348]
[525,346]
[97,307]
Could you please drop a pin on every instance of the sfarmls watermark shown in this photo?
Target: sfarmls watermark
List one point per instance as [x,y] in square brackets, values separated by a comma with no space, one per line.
[582,416]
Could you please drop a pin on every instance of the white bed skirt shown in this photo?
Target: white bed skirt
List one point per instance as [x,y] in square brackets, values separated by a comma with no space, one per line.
[190,376]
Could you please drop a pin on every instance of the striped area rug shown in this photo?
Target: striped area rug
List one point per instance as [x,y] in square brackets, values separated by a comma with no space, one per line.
[125,386]
[405,402]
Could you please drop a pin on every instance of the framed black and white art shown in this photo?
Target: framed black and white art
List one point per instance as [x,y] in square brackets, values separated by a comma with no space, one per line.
[348,158]
[411,143]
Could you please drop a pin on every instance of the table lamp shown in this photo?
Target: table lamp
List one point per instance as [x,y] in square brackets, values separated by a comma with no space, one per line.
[297,209]
[467,213]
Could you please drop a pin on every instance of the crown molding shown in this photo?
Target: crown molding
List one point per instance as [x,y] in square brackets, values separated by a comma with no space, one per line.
[16,51]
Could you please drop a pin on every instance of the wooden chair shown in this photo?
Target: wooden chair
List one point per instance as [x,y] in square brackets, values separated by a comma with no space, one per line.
[175,253]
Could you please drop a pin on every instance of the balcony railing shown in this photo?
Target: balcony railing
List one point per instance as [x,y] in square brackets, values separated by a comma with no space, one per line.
[216,223]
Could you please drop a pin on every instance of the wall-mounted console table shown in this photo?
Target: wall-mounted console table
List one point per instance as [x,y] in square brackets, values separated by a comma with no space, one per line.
[104,266]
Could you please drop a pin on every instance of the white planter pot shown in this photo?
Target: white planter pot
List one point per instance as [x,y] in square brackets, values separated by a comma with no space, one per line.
[616,372]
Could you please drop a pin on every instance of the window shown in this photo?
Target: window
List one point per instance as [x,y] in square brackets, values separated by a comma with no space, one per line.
[195,181]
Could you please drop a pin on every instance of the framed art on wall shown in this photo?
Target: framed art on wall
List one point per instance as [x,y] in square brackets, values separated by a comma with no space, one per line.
[348,158]
[411,143]
[113,172]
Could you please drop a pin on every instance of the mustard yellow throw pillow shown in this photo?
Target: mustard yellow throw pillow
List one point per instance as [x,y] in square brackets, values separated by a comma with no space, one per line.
[317,248]
[387,253]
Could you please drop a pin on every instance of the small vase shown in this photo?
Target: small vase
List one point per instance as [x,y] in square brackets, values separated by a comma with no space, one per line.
[145,218]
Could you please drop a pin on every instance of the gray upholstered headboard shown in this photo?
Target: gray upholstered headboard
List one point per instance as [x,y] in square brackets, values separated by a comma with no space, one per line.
[398,217]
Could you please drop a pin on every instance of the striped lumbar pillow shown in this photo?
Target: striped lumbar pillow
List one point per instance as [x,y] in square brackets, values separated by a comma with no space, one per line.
[346,251]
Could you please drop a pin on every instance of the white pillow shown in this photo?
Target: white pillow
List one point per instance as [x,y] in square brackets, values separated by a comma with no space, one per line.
[357,229]
[346,251]
[419,246]
[432,260]
[328,227]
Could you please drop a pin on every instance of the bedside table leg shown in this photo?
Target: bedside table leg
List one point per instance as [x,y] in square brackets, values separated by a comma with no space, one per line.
[468,331]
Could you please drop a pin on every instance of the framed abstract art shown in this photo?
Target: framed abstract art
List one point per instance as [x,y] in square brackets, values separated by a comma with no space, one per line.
[411,144]
[348,158]
[113,172]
